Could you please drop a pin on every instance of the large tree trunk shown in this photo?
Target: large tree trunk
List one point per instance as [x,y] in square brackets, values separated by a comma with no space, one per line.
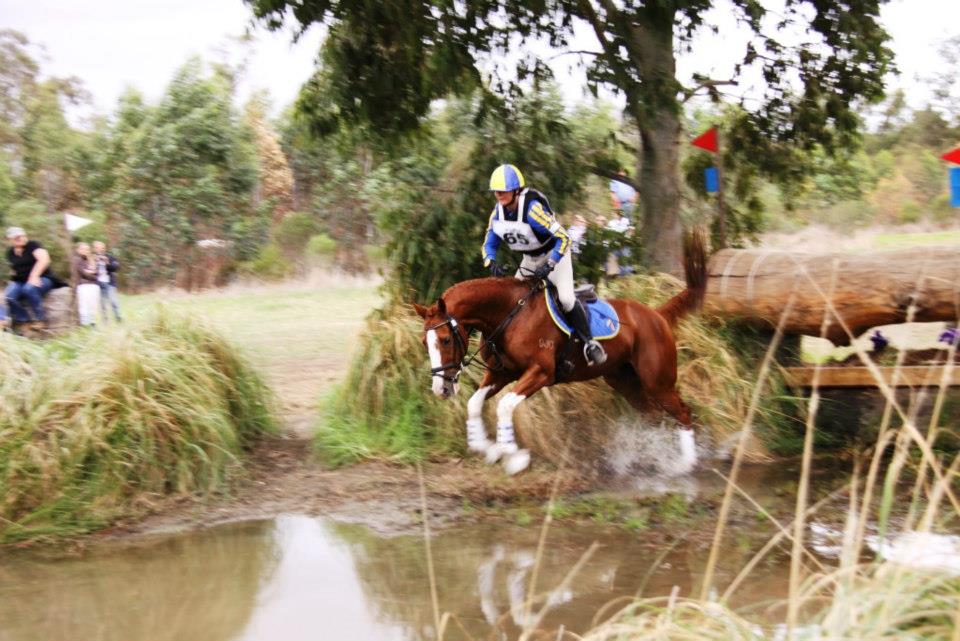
[869,290]
[660,194]
[659,122]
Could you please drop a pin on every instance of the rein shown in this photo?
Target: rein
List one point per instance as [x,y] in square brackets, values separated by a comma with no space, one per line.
[466,361]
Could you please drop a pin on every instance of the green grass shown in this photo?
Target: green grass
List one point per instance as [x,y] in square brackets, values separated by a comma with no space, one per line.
[891,241]
[286,330]
[97,425]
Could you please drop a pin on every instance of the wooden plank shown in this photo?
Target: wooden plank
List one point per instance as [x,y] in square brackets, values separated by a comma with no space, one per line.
[909,376]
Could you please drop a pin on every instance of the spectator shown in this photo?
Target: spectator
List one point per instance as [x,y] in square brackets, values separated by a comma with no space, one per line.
[88,289]
[576,232]
[30,280]
[620,256]
[624,196]
[107,266]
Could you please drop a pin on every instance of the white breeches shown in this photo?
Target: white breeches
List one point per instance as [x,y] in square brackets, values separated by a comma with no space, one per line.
[561,276]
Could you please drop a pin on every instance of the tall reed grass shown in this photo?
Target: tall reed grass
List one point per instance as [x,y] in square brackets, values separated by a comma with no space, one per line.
[385,409]
[99,424]
[881,586]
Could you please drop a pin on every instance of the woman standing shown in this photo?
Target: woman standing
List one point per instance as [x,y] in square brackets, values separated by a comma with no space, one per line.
[88,289]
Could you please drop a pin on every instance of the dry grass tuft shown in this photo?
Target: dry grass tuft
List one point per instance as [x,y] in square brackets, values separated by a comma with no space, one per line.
[94,425]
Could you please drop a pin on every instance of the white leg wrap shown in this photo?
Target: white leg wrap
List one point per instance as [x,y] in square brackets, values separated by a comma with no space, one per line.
[505,409]
[477,440]
[506,440]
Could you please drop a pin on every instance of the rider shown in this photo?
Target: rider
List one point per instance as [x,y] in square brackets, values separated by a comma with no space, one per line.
[522,219]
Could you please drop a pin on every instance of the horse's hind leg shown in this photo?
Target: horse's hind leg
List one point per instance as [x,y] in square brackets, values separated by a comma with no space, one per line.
[626,383]
[671,403]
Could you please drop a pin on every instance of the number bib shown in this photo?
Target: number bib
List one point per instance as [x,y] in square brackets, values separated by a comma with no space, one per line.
[518,236]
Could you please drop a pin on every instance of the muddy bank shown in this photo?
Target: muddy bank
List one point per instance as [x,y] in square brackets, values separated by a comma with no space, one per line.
[286,478]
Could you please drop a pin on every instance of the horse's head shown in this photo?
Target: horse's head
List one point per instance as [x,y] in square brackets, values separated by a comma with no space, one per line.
[446,342]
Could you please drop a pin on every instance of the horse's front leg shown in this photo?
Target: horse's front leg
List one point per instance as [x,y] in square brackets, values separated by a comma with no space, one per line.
[477,440]
[514,459]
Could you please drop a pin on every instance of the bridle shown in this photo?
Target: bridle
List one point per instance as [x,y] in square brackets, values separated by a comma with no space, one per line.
[461,347]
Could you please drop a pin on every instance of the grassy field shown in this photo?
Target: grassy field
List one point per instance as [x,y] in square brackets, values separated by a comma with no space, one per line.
[299,335]
[917,239]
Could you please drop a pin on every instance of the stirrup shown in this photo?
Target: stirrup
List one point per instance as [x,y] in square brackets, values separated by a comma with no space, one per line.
[599,356]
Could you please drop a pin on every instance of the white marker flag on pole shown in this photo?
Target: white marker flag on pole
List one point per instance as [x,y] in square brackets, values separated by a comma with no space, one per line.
[74,223]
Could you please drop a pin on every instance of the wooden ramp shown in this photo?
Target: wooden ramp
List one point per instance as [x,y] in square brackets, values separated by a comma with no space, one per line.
[908,376]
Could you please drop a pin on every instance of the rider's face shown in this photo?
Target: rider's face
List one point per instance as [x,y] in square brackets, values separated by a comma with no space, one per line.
[505,198]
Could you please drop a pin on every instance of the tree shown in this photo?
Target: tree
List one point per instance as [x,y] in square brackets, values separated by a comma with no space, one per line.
[274,178]
[185,171]
[384,63]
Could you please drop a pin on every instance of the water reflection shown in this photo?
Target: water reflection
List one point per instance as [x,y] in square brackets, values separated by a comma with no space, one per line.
[203,585]
[303,578]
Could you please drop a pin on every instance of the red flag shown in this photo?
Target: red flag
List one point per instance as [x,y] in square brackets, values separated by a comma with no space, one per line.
[707,140]
[952,156]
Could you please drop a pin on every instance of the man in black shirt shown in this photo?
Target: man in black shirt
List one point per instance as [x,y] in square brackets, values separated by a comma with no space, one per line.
[30,278]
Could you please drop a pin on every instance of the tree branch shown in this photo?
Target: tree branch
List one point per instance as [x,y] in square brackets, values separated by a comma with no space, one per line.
[706,84]
[612,175]
[575,53]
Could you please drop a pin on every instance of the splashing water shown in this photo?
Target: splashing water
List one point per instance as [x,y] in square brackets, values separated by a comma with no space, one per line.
[648,450]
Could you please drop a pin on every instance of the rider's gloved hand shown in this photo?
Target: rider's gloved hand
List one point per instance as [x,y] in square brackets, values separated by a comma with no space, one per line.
[544,270]
[496,270]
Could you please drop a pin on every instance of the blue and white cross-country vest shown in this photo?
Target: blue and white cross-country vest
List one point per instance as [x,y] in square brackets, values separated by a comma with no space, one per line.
[516,231]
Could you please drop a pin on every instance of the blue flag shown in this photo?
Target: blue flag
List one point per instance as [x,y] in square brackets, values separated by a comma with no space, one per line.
[955,186]
[712,177]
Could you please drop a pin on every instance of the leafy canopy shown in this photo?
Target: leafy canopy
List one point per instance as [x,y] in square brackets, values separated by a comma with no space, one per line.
[384,62]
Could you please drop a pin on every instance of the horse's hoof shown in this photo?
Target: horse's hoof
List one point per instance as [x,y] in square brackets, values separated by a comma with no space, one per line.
[498,450]
[516,462]
[479,447]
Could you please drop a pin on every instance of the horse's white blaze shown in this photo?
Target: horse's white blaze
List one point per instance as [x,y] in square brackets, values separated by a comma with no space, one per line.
[433,347]
[505,408]
[688,449]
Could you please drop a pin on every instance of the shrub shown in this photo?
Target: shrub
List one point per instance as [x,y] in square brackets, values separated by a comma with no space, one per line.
[910,212]
[294,231]
[321,246]
[94,424]
[270,264]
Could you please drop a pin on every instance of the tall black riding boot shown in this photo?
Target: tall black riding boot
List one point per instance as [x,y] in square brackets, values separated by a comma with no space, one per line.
[592,351]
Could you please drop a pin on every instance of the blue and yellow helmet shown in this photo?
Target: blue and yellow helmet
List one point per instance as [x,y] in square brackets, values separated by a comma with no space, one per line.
[506,178]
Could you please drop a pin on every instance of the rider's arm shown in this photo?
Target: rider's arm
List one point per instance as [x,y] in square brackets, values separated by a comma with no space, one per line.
[491,243]
[543,221]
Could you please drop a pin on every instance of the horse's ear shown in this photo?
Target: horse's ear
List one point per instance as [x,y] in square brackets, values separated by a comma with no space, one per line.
[420,310]
[441,306]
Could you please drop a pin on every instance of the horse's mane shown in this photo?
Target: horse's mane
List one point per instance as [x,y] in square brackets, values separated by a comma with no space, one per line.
[485,289]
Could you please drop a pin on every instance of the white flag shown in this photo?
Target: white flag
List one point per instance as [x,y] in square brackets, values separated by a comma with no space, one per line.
[74,223]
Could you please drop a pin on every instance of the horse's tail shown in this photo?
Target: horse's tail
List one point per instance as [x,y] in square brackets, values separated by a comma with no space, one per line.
[695,270]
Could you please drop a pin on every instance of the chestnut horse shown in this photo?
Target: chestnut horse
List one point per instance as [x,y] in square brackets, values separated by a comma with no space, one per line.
[521,343]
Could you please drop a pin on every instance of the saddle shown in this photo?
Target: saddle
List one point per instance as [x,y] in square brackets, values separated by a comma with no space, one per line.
[603,319]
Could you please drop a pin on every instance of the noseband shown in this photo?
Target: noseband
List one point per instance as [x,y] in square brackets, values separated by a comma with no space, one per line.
[459,346]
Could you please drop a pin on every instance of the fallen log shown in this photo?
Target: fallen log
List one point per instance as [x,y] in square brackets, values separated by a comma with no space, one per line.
[754,286]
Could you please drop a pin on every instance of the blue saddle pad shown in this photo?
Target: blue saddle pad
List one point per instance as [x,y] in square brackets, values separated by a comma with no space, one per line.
[604,322]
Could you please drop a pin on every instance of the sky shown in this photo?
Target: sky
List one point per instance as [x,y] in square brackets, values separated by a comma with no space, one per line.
[114,44]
